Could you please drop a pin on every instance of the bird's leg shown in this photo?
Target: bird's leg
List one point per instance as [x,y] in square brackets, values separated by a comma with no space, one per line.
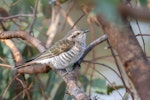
[71,68]
[68,70]
[64,71]
[76,64]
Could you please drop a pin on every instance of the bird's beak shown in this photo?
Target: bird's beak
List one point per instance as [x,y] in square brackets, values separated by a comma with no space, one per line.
[85,31]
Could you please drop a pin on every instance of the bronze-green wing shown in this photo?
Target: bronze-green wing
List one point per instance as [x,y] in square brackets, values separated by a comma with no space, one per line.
[56,49]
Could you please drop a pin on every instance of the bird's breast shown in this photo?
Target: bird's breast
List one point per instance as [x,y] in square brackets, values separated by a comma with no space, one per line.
[65,59]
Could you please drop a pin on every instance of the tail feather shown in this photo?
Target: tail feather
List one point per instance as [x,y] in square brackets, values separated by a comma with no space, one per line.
[25,64]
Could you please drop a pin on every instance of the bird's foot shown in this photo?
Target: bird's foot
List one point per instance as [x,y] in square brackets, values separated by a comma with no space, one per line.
[64,72]
[77,64]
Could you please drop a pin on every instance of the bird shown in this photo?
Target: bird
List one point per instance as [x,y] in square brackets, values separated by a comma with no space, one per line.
[63,53]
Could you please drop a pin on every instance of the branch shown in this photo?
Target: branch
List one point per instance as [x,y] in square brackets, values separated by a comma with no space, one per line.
[52,30]
[133,58]
[34,69]
[34,16]
[137,13]
[68,18]
[16,16]
[15,51]
[92,45]
[23,35]
[71,82]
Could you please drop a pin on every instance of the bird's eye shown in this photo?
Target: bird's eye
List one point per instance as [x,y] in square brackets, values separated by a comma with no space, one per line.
[73,36]
[78,33]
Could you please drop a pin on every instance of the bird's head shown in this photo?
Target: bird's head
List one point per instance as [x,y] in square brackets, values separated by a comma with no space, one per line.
[76,35]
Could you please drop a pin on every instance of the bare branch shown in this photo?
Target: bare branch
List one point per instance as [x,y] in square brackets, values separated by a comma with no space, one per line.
[23,35]
[16,16]
[69,20]
[133,58]
[15,51]
[34,69]
[34,16]
[66,13]
[53,25]
[137,13]
[6,66]
[92,45]
[72,87]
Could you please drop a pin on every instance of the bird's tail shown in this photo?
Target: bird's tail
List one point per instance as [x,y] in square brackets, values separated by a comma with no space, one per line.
[25,64]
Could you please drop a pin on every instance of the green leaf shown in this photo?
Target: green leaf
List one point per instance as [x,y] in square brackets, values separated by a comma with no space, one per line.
[22,6]
[143,2]
[84,80]
[36,91]
[99,85]
[1,53]
[112,88]
[60,92]
[50,82]
[108,8]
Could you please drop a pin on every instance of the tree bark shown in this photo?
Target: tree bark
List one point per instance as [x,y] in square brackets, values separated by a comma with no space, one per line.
[131,54]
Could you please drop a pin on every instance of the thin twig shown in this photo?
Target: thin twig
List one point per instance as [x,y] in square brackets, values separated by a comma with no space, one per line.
[9,83]
[2,60]
[69,20]
[16,16]
[16,96]
[92,45]
[15,51]
[78,20]
[41,87]
[25,36]
[139,30]
[108,81]
[34,16]
[117,64]
[93,53]
[104,66]
[71,6]
[52,30]
[6,66]
[25,88]
[142,35]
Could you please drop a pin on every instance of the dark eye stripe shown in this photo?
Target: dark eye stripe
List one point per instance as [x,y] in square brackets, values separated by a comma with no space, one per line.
[75,34]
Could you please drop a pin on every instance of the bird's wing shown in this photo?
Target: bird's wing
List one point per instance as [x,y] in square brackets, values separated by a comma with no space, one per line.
[58,48]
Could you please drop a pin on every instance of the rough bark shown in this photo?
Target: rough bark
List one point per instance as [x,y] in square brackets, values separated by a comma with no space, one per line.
[131,54]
